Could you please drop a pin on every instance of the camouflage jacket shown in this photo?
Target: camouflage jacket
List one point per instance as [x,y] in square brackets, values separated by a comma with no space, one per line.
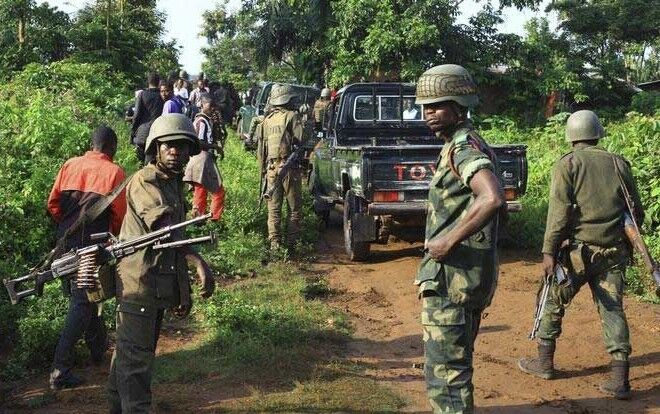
[320,110]
[278,133]
[150,279]
[586,201]
[468,275]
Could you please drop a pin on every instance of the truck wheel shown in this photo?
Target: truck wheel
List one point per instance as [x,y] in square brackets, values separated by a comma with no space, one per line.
[356,250]
[321,208]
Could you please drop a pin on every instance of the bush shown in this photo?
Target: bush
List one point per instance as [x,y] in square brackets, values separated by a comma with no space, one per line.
[647,103]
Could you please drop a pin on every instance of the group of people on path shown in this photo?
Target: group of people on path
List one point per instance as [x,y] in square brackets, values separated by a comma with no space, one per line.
[457,276]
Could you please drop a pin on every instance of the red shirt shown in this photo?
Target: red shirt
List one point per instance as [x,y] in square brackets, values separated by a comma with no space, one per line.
[84,178]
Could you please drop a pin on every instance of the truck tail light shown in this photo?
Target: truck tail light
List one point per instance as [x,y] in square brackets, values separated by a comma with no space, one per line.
[388,196]
[510,194]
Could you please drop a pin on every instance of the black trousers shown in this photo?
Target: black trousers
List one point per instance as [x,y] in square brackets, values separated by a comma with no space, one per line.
[82,319]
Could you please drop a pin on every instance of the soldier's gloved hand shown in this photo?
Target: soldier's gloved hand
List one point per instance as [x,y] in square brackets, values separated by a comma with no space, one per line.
[439,248]
[206,278]
[548,264]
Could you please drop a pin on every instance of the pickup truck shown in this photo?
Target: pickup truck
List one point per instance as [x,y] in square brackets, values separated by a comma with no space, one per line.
[307,95]
[377,160]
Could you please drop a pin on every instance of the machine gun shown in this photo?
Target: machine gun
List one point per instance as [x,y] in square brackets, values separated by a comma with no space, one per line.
[291,162]
[82,265]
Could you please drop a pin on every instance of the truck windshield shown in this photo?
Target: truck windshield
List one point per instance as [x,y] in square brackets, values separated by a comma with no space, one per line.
[388,108]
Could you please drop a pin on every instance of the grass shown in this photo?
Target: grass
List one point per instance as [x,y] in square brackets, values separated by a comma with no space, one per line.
[272,336]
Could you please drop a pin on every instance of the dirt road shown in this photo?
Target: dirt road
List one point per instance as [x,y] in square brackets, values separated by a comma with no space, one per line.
[381,300]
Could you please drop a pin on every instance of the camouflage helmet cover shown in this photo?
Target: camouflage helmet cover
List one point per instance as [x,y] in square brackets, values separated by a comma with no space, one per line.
[325,93]
[447,83]
[172,127]
[584,125]
[281,94]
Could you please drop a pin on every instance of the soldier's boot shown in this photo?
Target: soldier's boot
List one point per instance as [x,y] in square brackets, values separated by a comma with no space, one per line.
[543,366]
[618,385]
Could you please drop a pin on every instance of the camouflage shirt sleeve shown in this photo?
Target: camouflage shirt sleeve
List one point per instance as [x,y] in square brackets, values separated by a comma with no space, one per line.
[560,204]
[468,161]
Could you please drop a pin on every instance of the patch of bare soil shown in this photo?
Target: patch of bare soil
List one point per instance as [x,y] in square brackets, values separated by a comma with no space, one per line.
[381,299]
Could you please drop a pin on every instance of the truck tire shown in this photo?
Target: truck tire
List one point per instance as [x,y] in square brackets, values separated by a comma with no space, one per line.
[356,250]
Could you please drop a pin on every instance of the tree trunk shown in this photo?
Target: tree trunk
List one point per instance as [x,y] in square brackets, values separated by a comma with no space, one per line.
[21,32]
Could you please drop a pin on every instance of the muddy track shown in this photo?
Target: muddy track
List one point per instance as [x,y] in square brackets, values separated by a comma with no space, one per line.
[381,300]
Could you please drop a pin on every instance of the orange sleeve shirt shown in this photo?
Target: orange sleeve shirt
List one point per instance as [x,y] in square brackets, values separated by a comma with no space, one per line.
[92,173]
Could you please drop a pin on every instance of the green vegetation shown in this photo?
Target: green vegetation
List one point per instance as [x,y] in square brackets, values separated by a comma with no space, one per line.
[635,138]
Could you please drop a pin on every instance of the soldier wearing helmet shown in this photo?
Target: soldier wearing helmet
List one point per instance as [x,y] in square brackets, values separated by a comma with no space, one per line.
[279,134]
[458,273]
[320,109]
[585,224]
[149,282]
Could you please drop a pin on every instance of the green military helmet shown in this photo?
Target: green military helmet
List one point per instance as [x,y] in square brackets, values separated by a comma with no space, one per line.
[172,127]
[281,94]
[584,125]
[447,83]
[325,93]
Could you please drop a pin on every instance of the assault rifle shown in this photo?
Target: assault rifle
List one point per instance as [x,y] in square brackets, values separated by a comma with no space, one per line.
[82,265]
[634,235]
[292,161]
[559,276]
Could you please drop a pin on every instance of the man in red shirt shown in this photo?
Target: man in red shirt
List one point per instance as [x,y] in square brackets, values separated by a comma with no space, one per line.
[79,183]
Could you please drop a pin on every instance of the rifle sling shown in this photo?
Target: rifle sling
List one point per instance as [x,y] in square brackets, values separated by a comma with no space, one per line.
[87,215]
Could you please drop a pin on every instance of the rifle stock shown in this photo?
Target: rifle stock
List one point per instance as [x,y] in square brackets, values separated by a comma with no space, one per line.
[637,242]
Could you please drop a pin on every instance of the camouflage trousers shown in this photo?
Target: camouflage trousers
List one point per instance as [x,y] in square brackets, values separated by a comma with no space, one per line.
[606,283]
[290,190]
[129,383]
[449,334]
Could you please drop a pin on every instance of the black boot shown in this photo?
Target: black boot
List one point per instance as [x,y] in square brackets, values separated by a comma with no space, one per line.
[618,385]
[543,366]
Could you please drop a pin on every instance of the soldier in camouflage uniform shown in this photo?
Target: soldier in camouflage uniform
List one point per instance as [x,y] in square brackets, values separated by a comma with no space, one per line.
[585,213]
[151,281]
[458,274]
[320,109]
[281,131]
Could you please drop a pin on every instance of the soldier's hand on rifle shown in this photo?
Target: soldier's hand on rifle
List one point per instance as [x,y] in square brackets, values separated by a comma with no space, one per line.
[548,264]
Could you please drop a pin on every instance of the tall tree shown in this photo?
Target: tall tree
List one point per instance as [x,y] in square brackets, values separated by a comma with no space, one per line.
[31,33]
[125,33]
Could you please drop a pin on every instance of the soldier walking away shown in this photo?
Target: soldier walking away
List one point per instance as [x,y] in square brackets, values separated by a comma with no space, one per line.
[148,106]
[458,274]
[149,281]
[320,109]
[280,132]
[202,172]
[585,220]
[81,182]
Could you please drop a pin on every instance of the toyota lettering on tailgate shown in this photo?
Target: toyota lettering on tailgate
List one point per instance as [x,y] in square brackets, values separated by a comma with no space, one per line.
[418,172]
